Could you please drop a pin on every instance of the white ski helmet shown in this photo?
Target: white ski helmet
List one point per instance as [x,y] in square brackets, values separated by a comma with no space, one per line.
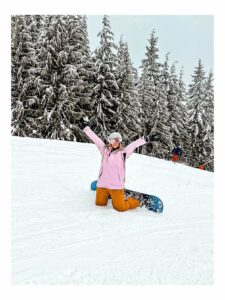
[115,135]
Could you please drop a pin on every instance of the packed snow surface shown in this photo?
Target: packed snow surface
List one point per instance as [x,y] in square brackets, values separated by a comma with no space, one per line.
[59,235]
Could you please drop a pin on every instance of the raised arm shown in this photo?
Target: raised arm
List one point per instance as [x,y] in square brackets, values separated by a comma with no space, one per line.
[83,125]
[131,147]
[95,139]
[140,142]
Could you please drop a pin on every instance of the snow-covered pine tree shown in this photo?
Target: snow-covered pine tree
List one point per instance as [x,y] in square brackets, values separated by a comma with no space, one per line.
[199,123]
[24,102]
[185,138]
[129,123]
[136,78]
[176,110]
[41,81]
[209,112]
[161,116]
[56,105]
[15,63]
[85,35]
[166,74]
[59,77]
[150,70]
[79,70]
[153,99]
[38,24]
[105,91]
[39,36]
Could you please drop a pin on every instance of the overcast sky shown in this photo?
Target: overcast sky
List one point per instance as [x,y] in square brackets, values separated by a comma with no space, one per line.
[188,38]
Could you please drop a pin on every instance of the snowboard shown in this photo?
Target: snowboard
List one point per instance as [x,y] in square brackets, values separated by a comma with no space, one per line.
[150,202]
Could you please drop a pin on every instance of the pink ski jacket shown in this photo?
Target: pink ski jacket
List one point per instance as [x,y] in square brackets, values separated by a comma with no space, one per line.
[112,170]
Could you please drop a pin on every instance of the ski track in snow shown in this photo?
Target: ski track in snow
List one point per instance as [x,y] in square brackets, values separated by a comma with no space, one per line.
[59,235]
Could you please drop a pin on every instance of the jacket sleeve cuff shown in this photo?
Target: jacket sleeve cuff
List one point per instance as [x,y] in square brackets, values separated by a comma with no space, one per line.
[86,128]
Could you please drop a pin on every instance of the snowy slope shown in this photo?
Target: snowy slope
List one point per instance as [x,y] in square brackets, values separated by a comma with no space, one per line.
[59,236]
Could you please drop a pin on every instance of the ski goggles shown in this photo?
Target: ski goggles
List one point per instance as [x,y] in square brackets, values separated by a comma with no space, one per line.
[114,140]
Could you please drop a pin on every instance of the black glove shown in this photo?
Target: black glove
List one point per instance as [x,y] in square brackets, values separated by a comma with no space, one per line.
[152,137]
[83,122]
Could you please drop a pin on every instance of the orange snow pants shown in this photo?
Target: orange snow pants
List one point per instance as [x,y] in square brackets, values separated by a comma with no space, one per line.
[118,201]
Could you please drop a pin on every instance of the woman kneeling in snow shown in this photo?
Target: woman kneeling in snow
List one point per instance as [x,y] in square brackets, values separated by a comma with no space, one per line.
[111,177]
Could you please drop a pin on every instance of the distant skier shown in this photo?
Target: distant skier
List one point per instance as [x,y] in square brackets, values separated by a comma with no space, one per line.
[202,167]
[111,178]
[176,154]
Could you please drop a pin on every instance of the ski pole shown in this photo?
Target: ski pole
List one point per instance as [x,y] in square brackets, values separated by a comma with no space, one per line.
[209,161]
